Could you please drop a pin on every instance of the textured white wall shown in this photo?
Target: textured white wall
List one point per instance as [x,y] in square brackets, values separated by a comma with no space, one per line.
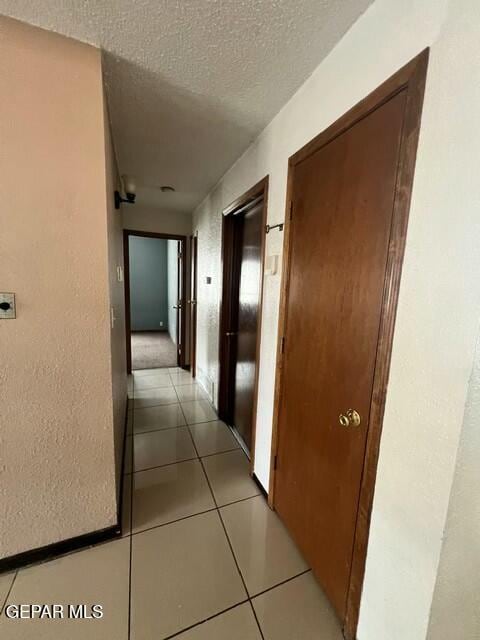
[439,298]
[456,602]
[57,460]
[208,222]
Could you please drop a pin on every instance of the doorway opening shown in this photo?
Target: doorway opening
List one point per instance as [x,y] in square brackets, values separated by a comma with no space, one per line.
[243,246]
[348,200]
[155,279]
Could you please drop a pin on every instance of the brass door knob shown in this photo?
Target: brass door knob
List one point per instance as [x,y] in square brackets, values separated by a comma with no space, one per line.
[350,418]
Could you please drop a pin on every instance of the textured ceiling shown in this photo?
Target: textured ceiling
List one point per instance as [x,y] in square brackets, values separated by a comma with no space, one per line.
[192,82]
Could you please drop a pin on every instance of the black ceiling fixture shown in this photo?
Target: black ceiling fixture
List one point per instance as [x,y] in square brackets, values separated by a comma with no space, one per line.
[130,189]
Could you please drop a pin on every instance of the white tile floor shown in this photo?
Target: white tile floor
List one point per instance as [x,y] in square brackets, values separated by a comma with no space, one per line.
[202,557]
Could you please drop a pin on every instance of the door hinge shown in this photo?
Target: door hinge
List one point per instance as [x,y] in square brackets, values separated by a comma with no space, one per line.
[282,344]
[291,209]
[275,461]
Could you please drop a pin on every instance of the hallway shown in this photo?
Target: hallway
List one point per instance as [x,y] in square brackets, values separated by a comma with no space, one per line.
[288,191]
[202,556]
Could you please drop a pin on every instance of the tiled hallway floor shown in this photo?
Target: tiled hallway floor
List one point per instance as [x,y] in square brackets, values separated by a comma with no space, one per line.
[202,556]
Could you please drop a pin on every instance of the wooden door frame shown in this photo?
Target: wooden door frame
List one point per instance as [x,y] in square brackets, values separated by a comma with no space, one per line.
[180,329]
[410,78]
[193,302]
[259,189]
[126,270]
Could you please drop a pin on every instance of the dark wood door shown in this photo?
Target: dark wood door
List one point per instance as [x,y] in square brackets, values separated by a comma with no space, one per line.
[343,197]
[248,241]
[193,304]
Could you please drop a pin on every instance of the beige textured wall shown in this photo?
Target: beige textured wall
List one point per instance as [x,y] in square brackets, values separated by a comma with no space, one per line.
[57,472]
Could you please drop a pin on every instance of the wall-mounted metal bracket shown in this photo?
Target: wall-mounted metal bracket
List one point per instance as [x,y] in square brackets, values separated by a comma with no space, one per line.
[268,227]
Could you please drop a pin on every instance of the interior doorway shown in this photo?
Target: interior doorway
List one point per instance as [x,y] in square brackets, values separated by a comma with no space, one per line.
[155,283]
[348,198]
[241,309]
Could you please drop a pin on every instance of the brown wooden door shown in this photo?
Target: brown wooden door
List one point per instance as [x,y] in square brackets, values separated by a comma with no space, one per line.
[343,197]
[248,240]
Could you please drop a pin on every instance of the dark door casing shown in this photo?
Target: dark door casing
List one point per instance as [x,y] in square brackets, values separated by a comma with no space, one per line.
[249,229]
[243,250]
[182,279]
[193,304]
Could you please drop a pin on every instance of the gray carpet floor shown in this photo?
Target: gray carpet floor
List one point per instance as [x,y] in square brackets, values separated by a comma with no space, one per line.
[152,349]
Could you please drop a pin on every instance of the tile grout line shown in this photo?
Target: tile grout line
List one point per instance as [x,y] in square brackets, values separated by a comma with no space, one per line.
[177,426]
[226,536]
[194,424]
[225,532]
[169,464]
[161,466]
[240,573]
[280,584]
[199,513]
[233,553]
[9,592]
[197,624]
[165,524]
[229,542]
[160,404]
[156,386]
[169,404]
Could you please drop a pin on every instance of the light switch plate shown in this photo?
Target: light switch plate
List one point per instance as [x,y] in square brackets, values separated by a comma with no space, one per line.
[9,298]
[271,265]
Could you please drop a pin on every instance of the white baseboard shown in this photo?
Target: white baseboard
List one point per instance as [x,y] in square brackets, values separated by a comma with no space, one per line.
[208,385]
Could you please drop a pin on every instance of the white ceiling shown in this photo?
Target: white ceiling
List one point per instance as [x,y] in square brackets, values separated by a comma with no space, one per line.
[192,82]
